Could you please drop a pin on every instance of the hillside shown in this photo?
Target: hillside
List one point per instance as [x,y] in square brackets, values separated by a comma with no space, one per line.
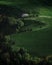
[38,42]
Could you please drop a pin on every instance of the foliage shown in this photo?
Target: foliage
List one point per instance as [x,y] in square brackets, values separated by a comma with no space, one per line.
[19,57]
[7,55]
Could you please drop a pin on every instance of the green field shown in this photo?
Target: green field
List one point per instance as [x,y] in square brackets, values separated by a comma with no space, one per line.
[37,42]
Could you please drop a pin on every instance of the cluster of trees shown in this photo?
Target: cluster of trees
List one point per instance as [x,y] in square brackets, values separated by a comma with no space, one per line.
[8,25]
[11,25]
[18,57]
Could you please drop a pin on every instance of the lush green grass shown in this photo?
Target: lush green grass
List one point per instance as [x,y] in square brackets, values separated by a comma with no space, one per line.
[38,42]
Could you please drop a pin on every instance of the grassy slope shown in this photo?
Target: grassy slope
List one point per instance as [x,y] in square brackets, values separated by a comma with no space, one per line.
[38,42]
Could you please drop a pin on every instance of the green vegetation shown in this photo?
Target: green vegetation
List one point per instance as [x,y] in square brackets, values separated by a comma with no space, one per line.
[20,56]
[37,42]
[37,37]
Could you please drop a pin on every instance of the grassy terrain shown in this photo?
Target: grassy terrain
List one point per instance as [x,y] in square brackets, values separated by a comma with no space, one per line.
[38,42]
